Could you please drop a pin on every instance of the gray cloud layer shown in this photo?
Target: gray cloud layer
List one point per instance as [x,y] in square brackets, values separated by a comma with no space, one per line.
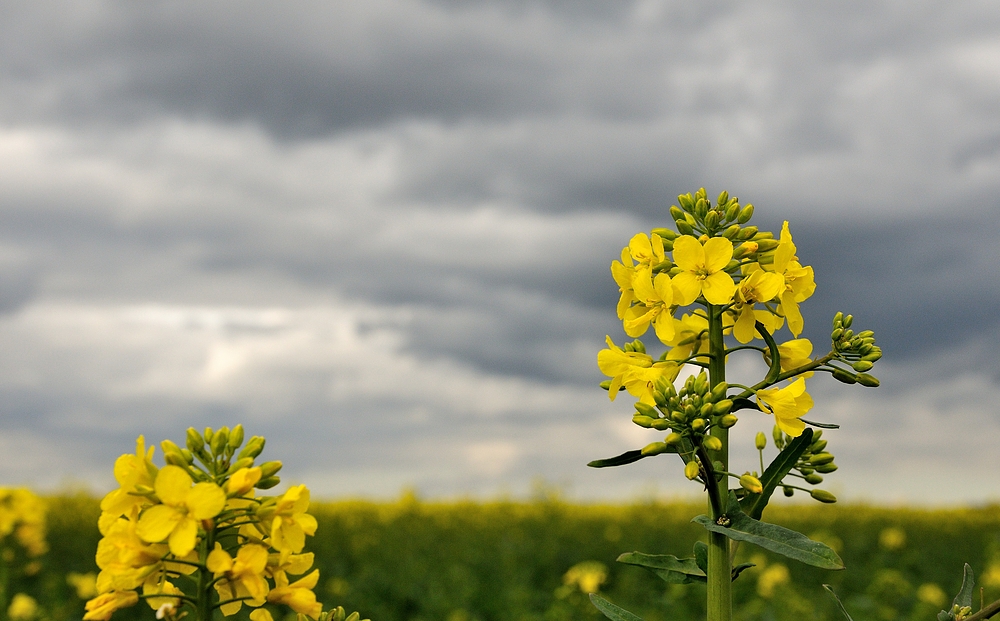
[380,232]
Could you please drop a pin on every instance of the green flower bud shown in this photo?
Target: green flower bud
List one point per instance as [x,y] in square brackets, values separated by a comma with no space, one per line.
[760,441]
[806,471]
[817,434]
[686,201]
[722,408]
[844,376]
[706,410]
[763,235]
[642,421]
[253,447]
[731,232]
[660,424]
[194,440]
[723,198]
[712,220]
[689,411]
[814,479]
[659,398]
[748,232]
[745,250]
[267,483]
[868,380]
[751,484]
[665,234]
[874,355]
[862,365]
[719,391]
[236,437]
[676,213]
[765,245]
[745,214]
[678,416]
[788,491]
[712,443]
[779,437]
[836,334]
[732,266]
[169,446]
[639,346]
[245,462]
[684,228]
[701,208]
[848,334]
[655,448]
[698,425]
[174,458]
[823,496]
[673,438]
[270,468]
[820,458]
[209,432]
[817,446]
[188,457]
[732,211]
[728,421]
[220,441]
[647,410]
[827,468]
[691,470]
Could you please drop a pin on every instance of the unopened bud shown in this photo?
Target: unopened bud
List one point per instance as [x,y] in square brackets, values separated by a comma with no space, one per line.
[642,421]
[751,484]
[745,250]
[838,320]
[723,198]
[660,424]
[220,441]
[760,441]
[236,437]
[665,234]
[788,491]
[194,440]
[244,462]
[647,410]
[691,469]
[270,468]
[766,245]
[836,334]
[722,407]
[873,356]
[728,421]
[701,207]
[267,483]
[745,214]
[862,365]
[174,458]
[676,213]
[654,448]
[712,443]
[868,380]
[698,424]
[706,410]
[817,446]
[779,437]
[732,211]
[814,479]
[827,468]
[659,398]
[712,220]
[731,232]
[848,320]
[844,376]
[820,458]
[748,232]
[684,228]
[253,447]
[673,438]
[209,432]
[823,496]
[686,200]
[719,391]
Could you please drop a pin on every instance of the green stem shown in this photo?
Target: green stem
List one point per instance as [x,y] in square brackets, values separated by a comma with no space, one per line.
[204,603]
[720,581]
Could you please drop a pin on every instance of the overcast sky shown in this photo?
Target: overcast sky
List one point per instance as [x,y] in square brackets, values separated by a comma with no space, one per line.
[379,232]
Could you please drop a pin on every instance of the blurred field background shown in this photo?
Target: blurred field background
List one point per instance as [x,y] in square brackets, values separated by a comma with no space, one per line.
[410,560]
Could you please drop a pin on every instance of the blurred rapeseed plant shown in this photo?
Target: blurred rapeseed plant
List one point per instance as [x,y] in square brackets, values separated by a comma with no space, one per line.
[22,542]
[742,285]
[193,537]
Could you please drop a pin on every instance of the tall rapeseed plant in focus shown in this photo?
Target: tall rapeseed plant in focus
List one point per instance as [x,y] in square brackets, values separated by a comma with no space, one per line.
[711,287]
[192,537]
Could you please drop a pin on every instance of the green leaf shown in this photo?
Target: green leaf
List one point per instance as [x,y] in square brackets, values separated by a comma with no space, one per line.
[964,597]
[667,566]
[627,457]
[743,404]
[840,605]
[701,555]
[753,504]
[773,355]
[739,569]
[615,613]
[820,425]
[772,537]
[945,616]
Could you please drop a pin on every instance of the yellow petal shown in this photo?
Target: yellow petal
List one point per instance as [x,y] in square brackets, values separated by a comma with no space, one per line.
[184,538]
[745,327]
[172,485]
[205,500]
[642,285]
[261,614]
[664,327]
[687,288]
[718,288]
[792,426]
[219,560]
[664,289]
[307,523]
[718,253]
[640,248]
[689,255]
[157,522]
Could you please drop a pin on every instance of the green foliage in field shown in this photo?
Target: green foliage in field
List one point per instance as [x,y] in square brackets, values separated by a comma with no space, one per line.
[464,561]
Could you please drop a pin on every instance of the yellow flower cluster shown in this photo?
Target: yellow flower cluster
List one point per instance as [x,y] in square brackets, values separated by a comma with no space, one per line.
[22,517]
[175,534]
[753,277]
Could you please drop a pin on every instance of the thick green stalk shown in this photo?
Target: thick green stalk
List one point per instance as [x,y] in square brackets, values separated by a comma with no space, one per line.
[205,577]
[720,582]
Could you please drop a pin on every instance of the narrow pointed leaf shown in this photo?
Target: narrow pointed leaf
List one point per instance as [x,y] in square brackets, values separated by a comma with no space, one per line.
[615,613]
[627,457]
[840,605]
[820,425]
[964,597]
[753,504]
[739,569]
[772,537]
[667,566]
[773,355]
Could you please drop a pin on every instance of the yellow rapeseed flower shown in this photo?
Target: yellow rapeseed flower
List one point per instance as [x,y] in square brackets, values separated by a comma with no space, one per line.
[756,287]
[787,404]
[655,296]
[634,370]
[241,577]
[131,471]
[298,595]
[289,521]
[702,270]
[622,273]
[799,282]
[176,520]
[101,607]
[22,608]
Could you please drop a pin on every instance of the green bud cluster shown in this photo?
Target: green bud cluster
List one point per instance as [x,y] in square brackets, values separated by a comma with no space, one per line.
[689,414]
[215,454]
[856,349]
[339,614]
[697,216]
[814,462]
